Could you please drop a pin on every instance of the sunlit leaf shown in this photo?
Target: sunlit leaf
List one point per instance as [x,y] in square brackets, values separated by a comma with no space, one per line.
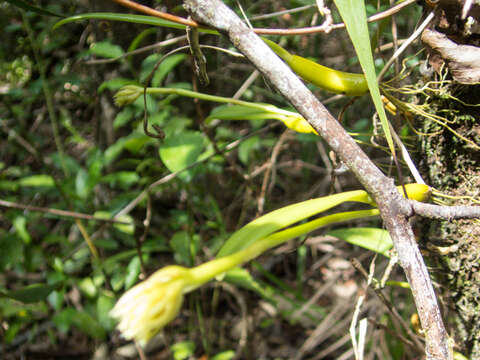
[355,18]
[373,239]
[122,179]
[20,225]
[224,355]
[283,217]
[133,269]
[269,224]
[128,228]
[166,67]
[182,350]
[81,184]
[106,49]
[178,152]
[37,181]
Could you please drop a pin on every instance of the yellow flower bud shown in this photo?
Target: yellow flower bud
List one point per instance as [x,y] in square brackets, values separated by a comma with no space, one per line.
[147,307]
[127,95]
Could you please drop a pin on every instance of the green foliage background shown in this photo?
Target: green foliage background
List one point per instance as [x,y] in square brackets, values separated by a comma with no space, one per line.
[66,146]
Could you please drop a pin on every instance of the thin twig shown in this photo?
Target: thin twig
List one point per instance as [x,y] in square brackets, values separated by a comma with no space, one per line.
[391,309]
[299,31]
[141,240]
[282,12]
[270,170]
[253,76]
[64,213]
[391,332]
[157,45]
[240,299]
[395,39]
[432,211]
[402,48]
[130,206]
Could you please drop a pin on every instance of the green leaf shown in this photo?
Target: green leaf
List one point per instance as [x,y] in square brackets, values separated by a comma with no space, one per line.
[136,141]
[20,225]
[133,269]
[128,228]
[81,320]
[7,185]
[114,150]
[286,216]
[243,278]
[105,303]
[224,355]
[373,239]
[11,250]
[37,181]
[137,19]
[247,147]
[180,244]
[182,350]
[32,293]
[81,184]
[106,49]
[26,6]
[355,18]
[88,287]
[122,179]
[166,67]
[115,84]
[178,152]
[123,117]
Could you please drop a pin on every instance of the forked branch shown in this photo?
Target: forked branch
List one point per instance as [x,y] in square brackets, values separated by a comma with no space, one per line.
[394,209]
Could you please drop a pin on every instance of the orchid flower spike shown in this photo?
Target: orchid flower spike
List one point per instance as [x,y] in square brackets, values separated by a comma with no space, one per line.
[150,305]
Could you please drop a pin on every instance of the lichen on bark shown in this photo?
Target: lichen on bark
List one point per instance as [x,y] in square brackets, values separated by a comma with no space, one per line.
[452,166]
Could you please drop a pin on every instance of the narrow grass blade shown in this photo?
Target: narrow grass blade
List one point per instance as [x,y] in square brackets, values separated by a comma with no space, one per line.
[355,18]
[137,19]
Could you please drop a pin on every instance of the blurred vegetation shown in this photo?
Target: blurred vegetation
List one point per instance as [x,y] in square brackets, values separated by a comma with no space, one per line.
[68,147]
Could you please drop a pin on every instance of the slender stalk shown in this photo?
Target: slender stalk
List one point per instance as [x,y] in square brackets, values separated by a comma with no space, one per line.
[219,99]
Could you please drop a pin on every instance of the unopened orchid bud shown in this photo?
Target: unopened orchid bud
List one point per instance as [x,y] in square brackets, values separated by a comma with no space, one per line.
[127,95]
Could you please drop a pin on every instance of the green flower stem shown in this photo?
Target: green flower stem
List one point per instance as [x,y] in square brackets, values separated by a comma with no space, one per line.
[219,99]
[206,272]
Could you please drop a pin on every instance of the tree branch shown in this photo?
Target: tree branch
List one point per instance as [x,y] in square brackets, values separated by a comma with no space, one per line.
[394,209]
[432,211]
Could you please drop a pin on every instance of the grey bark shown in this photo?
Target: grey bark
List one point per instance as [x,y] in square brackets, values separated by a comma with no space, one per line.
[395,210]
